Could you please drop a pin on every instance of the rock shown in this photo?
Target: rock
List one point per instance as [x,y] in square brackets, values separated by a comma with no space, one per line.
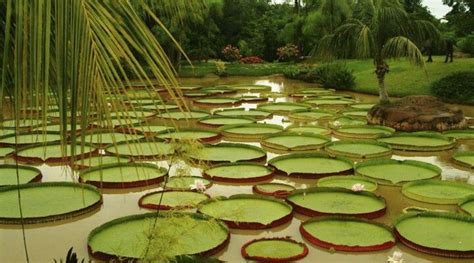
[417,113]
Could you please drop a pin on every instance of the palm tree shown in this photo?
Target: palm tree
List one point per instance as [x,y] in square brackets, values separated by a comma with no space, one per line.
[383,31]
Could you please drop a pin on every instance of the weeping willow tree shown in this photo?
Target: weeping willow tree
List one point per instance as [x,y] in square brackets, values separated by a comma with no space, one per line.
[383,31]
[77,56]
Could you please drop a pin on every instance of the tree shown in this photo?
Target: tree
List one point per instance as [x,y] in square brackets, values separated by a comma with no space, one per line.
[461,16]
[384,31]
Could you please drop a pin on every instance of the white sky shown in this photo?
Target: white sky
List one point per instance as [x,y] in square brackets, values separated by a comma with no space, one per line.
[436,7]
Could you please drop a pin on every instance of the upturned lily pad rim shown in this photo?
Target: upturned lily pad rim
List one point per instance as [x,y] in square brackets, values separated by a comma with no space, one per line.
[251,225]
[313,213]
[35,179]
[203,123]
[235,145]
[147,133]
[136,157]
[12,150]
[357,177]
[207,182]
[282,112]
[383,130]
[294,115]
[430,250]
[251,87]
[229,101]
[54,160]
[416,163]
[277,194]
[336,118]
[406,191]
[451,132]
[450,143]
[107,257]
[320,243]
[282,148]
[120,185]
[22,144]
[164,206]
[265,177]
[465,201]
[299,256]
[328,130]
[255,117]
[57,217]
[235,136]
[210,139]
[311,155]
[462,163]
[386,153]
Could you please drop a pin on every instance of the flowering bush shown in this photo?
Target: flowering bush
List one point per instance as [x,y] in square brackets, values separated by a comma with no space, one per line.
[252,60]
[231,53]
[289,52]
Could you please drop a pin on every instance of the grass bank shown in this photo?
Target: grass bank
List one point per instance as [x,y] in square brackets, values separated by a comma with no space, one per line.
[403,78]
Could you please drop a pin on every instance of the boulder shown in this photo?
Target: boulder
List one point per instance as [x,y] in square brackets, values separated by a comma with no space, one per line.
[417,113]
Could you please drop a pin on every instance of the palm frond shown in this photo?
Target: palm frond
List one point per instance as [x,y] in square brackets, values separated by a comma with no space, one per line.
[400,46]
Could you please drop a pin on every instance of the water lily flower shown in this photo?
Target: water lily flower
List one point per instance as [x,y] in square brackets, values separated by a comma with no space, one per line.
[358,187]
[397,257]
[198,185]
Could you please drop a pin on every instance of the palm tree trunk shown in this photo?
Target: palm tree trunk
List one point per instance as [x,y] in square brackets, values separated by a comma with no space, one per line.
[382,69]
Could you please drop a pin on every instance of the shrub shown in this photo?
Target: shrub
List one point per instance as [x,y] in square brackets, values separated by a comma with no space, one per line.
[289,52]
[457,87]
[252,60]
[231,53]
[466,44]
[221,69]
[330,76]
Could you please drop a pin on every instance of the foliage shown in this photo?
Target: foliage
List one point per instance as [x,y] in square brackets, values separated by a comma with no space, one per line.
[458,87]
[221,69]
[461,16]
[466,44]
[252,60]
[231,53]
[289,52]
[330,75]
[71,257]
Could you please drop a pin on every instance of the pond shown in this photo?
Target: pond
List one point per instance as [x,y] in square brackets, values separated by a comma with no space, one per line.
[52,240]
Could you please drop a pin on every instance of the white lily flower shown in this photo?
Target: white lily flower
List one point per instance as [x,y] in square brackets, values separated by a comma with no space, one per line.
[397,257]
[198,185]
[358,187]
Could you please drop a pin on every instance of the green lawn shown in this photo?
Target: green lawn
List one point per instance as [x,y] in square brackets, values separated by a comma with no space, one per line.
[403,78]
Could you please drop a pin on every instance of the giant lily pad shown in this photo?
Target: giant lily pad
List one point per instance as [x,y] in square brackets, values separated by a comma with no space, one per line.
[123,175]
[437,192]
[336,201]
[45,202]
[165,200]
[218,121]
[397,171]
[348,182]
[363,131]
[283,108]
[239,173]
[248,211]
[127,238]
[465,159]
[53,153]
[359,149]
[293,142]
[310,165]
[241,112]
[154,149]
[314,129]
[442,234]
[249,132]
[467,205]
[419,142]
[310,115]
[13,174]
[228,152]
[201,135]
[347,234]
[274,250]
[24,139]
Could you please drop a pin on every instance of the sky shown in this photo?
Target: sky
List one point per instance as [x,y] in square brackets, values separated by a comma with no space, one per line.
[436,7]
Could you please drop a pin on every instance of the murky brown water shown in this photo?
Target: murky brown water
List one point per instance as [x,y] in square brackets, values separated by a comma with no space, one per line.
[51,241]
